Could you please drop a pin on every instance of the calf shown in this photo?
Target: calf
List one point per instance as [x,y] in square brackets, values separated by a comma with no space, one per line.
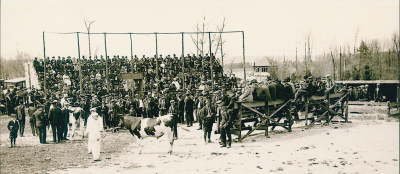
[150,127]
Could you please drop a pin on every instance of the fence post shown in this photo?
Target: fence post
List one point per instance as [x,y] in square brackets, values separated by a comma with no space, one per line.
[327,106]
[240,122]
[266,113]
[347,108]
[306,100]
[388,103]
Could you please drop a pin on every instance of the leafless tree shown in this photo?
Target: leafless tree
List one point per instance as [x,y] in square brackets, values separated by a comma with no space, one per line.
[87,25]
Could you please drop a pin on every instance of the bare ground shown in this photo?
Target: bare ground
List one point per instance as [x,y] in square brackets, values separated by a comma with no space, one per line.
[363,146]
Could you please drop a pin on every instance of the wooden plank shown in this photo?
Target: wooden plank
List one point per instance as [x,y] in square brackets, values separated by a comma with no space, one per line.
[363,82]
[135,76]
[255,104]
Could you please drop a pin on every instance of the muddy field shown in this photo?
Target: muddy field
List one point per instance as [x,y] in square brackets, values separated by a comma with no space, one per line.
[363,146]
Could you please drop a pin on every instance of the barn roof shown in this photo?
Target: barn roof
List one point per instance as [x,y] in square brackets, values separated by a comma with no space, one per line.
[261,63]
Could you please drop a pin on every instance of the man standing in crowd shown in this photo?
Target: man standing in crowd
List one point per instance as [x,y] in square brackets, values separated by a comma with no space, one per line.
[65,120]
[41,123]
[55,121]
[32,120]
[95,129]
[181,108]
[13,128]
[173,110]
[21,117]
[189,109]
[225,125]
[208,117]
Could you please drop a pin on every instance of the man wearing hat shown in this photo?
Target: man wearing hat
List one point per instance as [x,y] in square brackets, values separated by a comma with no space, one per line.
[65,120]
[189,109]
[95,131]
[200,104]
[41,123]
[21,117]
[32,120]
[173,110]
[208,114]
[225,124]
[55,119]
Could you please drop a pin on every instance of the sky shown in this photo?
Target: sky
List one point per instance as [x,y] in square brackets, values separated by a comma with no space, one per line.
[271,28]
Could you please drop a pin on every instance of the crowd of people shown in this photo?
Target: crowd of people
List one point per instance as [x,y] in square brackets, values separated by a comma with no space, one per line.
[196,96]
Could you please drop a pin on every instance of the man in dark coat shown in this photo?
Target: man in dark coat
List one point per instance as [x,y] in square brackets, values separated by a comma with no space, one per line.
[208,114]
[225,125]
[13,128]
[21,117]
[181,108]
[189,110]
[41,123]
[55,120]
[32,117]
[65,121]
[173,110]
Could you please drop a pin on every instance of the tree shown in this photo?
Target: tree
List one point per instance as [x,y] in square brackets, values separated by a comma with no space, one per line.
[87,25]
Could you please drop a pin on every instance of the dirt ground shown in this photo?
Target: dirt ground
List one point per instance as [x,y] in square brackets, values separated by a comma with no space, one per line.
[363,146]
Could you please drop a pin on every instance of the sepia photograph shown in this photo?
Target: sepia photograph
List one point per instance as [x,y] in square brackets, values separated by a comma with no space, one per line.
[166,87]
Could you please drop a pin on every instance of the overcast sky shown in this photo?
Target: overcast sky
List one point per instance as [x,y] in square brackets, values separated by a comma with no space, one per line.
[271,28]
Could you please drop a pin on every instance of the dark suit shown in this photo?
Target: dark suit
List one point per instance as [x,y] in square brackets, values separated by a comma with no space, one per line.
[21,118]
[55,120]
[181,110]
[225,127]
[189,111]
[41,123]
[65,122]
[32,119]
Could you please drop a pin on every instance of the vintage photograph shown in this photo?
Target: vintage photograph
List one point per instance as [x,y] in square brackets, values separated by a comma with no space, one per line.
[207,86]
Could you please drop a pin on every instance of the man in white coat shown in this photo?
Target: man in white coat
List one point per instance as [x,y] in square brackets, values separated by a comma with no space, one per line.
[95,130]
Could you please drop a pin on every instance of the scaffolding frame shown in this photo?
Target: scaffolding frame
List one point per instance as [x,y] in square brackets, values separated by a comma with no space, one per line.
[156,45]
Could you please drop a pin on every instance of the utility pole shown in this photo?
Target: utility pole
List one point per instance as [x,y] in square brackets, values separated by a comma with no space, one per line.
[340,65]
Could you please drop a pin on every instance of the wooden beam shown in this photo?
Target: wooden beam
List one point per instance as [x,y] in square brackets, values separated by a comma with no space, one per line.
[266,118]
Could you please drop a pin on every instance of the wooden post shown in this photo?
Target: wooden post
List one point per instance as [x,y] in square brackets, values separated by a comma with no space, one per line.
[183,64]
[340,64]
[80,64]
[327,106]
[133,84]
[105,47]
[306,100]
[290,116]
[240,122]
[44,59]
[266,113]
[211,63]
[156,56]
[388,104]
[347,108]
[244,59]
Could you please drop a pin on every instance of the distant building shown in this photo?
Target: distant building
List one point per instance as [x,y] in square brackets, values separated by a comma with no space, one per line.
[21,82]
[261,66]
[261,69]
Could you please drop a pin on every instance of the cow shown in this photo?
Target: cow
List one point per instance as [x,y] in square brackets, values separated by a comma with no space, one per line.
[76,117]
[150,127]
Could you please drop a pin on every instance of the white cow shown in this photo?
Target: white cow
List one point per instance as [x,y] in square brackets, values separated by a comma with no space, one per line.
[75,118]
[150,127]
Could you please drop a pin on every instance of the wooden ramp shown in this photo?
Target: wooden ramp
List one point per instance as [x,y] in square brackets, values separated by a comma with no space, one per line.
[371,110]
